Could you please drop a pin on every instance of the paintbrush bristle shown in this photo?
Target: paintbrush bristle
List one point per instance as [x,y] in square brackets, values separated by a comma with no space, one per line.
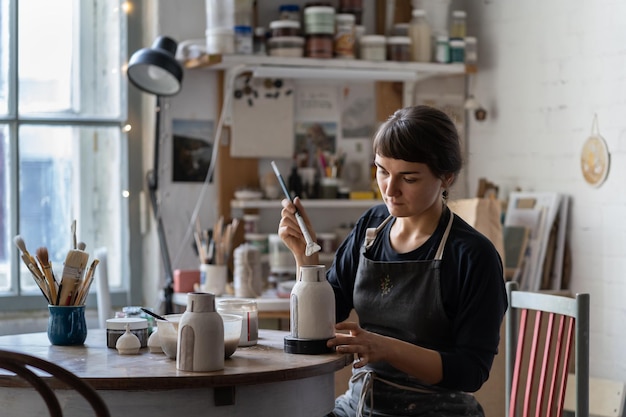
[42,256]
[19,242]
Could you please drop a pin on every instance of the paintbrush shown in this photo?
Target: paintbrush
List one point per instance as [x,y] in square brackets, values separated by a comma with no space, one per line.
[42,257]
[311,245]
[31,264]
[73,268]
[86,284]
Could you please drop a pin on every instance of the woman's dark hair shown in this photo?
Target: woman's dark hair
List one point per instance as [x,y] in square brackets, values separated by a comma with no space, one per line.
[421,134]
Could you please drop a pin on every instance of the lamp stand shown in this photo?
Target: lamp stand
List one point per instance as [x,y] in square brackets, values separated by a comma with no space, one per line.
[152,181]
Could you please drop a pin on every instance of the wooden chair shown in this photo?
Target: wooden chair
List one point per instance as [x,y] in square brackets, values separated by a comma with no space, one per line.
[24,365]
[541,330]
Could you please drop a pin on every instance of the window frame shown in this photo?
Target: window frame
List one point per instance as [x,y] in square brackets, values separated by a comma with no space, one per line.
[130,291]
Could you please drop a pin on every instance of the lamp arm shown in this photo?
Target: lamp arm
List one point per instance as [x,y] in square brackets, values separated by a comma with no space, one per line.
[152,181]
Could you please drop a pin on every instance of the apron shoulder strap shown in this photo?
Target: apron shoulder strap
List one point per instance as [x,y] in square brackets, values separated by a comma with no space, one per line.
[370,233]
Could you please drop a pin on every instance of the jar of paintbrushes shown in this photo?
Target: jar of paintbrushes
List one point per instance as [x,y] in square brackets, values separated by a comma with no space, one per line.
[65,295]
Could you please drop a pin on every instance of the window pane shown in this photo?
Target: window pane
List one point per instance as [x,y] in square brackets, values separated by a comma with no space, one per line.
[4,56]
[5,202]
[66,68]
[69,173]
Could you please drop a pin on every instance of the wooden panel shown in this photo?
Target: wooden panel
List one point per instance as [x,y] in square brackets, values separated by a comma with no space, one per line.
[232,173]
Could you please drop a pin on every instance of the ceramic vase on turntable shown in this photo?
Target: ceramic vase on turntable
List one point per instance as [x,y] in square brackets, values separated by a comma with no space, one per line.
[200,335]
[312,312]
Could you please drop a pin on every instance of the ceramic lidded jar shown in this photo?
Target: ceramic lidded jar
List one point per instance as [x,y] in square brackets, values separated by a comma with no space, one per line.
[200,335]
[312,305]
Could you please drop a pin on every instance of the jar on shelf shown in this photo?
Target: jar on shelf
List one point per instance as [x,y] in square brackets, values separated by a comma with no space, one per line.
[284,28]
[243,40]
[319,46]
[354,7]
[471,52]
[372,47]
[457,51]
[319,20]
[399,48]
[286,46]
[259,41]
[289,12]
[442,49]
[458,27]
[344,35]
[420,34]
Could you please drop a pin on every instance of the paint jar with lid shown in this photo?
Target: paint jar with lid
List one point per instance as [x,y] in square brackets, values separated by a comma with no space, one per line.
[284,28]
[117,327]
[354,7]
[471,52]
[458,28]
[457,51]
[289,12]
[373,47]
[286,46]
[399,48]
[243,40]
[344,35]
[319,46]
[319,20]
[442,49]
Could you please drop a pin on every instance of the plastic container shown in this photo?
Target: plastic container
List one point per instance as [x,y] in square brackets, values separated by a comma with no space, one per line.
[259,241]
[284,28]
[442,49]
[399,48]
[248,311]
[289,12]
[319,20]
[259,45]
[319,46]
[116,328]
[281,259]
[471,51]
[457,51]
[243,40]
[421,37]
[220,14]
[220,41]
[286,46]
[344,36]
[458,26]
[354,7]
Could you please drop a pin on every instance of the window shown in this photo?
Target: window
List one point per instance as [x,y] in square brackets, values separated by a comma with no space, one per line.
[63,152]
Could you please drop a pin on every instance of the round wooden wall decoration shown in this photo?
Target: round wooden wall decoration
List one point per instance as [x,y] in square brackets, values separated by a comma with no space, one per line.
[595,160]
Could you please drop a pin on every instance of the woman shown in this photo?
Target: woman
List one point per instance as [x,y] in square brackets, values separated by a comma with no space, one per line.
[427,288]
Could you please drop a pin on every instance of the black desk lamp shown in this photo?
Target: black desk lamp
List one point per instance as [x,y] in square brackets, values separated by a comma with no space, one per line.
[156,71]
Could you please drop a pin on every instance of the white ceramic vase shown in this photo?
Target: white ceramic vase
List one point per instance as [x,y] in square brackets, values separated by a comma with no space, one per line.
[312,305]
[200,335]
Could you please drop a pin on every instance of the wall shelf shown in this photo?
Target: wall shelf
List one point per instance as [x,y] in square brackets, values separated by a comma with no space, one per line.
[312,68]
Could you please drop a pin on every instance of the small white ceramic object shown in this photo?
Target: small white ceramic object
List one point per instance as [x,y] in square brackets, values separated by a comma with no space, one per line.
[128,343]
[154,343]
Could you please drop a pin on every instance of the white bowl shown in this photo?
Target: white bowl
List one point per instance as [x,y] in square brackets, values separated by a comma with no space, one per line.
[168,334]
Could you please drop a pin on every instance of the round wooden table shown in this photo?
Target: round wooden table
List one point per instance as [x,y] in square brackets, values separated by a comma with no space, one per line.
[256,381]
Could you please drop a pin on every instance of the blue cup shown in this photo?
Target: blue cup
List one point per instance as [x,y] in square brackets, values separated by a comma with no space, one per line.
[67,325]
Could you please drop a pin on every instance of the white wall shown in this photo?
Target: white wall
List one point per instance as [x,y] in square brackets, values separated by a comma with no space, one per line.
[545,69]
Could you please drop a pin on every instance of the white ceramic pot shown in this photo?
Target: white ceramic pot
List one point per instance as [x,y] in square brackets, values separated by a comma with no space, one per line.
[312,305]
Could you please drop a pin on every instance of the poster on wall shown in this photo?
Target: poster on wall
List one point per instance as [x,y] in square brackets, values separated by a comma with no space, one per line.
[262,118]
[315,143]
[192,149]
[358,111]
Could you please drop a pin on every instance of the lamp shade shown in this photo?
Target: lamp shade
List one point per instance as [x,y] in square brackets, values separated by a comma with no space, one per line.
[155,69]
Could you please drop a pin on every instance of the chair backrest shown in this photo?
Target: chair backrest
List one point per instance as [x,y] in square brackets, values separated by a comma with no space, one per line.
[541,331]
[24,365]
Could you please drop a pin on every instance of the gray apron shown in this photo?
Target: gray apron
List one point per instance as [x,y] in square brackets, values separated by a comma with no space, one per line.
[402,300]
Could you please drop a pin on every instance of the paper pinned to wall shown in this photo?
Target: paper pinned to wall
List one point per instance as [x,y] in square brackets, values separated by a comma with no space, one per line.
[262,118]
[317,103]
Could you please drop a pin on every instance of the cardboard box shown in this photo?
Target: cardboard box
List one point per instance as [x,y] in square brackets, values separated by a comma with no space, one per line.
[184,279]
